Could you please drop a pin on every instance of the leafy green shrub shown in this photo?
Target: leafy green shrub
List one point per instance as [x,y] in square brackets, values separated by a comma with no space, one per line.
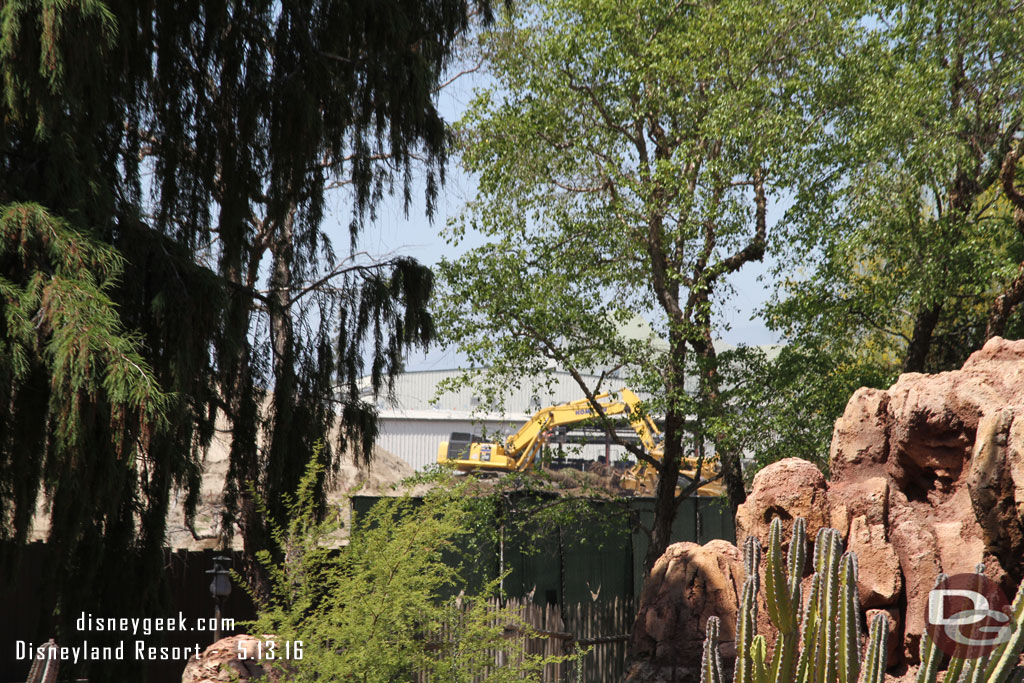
[392,603]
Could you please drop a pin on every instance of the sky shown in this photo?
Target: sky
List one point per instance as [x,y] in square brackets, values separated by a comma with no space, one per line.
[395,233]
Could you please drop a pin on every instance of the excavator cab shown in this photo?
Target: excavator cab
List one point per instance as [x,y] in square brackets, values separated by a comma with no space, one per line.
[468,453]
[460,444]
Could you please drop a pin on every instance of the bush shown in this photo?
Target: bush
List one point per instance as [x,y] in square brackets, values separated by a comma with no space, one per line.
[392,603]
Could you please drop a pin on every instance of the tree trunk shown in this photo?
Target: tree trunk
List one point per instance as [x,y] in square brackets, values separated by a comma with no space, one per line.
[665,494]
[1002,307]
[711,397]
[284,466]
[920,343]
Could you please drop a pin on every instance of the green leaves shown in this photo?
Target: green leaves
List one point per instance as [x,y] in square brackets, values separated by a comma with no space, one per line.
[59,319]
[393,602]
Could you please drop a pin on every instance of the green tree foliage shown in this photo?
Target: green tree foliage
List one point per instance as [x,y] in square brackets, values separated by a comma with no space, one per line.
[397,599]
[915,235]
[627,155]
[164,173]
[903,251]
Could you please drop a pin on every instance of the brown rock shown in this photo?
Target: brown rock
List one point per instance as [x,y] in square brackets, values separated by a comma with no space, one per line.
[928,442]
[786,489]
[1003,356]
[927,477]
[991,487]
[839,516]
[960,551]
[860,438]
[1015,460]
[879,581]
[919,560]
[688,584]
[219,663]
[868,498]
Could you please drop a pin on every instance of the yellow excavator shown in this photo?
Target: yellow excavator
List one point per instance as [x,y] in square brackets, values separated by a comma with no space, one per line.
[468,452]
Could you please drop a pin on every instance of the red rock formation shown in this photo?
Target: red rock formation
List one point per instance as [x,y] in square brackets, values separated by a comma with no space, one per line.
[688,584]
[927,477]
[788,489]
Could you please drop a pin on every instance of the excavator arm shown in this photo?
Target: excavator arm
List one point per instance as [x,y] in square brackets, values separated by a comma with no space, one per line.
[519,451]
[527,442]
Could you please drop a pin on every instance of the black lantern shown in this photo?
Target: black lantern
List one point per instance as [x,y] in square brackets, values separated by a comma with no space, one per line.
[220,588]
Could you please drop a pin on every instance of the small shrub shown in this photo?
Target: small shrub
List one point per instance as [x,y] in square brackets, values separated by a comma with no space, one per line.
[392,604]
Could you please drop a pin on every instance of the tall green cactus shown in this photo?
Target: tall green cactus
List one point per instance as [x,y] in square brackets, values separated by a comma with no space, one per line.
[999,666]
[816,645]
[821,643]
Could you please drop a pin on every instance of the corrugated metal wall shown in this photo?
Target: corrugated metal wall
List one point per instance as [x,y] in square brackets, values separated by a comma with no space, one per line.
[415,439]
[419,391]
[413,428]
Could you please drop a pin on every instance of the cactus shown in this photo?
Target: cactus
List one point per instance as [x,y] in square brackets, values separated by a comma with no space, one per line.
[821,643]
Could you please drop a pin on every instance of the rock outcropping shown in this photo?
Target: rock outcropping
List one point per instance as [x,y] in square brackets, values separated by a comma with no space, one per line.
[221,663]
[927,477]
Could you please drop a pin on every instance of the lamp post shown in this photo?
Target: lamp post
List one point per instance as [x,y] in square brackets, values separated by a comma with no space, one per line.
[220,588]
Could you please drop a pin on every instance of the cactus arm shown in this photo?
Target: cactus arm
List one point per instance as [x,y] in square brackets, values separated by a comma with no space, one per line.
[1005,657]
[746,625]
[931,656]
[874,660]
[752,560]
[797,557]
[758,653]
[784,658]
[826,651]
[809,635]
[711,664]
[849,615]
[777,596]
[782,596]
[967,673]
[955,668]
[978,674]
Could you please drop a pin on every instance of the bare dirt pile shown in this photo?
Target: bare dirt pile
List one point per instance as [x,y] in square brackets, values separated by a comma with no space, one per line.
[927,477]
[382,478]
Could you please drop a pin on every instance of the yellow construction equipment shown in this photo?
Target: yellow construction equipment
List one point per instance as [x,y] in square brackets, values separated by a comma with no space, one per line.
[467,452]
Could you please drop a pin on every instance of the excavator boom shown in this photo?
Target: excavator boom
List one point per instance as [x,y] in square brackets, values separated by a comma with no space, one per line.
[519,451]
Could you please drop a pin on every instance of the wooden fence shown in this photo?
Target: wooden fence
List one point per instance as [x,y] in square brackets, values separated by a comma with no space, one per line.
[600,629]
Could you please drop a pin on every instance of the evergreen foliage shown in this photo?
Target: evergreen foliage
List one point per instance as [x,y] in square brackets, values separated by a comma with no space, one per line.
[164,176]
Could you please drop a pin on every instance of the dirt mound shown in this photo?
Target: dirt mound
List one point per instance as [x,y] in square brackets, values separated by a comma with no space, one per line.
[382,478]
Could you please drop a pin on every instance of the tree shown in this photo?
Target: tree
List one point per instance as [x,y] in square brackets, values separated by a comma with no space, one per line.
[907,250]
[627,155]
[171,164]
[915,248]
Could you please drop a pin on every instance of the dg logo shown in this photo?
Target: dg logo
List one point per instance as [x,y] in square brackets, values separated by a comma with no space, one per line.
[968,616]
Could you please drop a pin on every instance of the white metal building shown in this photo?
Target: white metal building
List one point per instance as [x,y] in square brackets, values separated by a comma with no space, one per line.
[422,417]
